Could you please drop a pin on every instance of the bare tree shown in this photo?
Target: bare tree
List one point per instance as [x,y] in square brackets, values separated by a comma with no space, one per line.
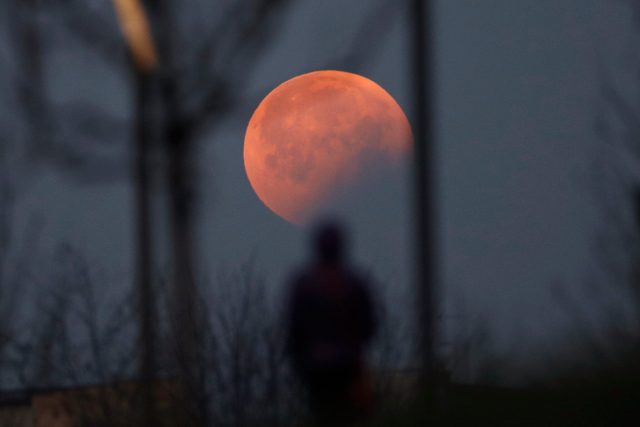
[201,69]
[81,341]
[249,335]
[79,336]
[82,336]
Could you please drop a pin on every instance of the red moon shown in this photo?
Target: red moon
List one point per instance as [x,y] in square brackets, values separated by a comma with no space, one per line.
[317,135]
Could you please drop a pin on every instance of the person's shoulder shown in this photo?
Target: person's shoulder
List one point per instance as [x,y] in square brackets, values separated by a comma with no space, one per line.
[300,278]
[360,279]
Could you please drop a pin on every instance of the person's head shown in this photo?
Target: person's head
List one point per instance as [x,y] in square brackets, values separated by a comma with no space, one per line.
[329,242]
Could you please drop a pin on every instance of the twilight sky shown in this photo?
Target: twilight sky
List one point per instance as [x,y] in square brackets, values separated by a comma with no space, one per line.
[517,94]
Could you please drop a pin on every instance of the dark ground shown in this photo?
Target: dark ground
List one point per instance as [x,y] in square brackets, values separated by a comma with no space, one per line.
[610,398]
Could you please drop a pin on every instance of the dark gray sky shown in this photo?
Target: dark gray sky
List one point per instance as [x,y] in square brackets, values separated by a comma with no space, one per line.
[516,98]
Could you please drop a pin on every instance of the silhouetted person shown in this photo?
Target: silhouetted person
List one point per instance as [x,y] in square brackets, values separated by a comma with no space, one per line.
[330,322]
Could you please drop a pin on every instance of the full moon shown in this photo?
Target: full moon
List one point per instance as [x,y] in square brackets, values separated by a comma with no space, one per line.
[318,136]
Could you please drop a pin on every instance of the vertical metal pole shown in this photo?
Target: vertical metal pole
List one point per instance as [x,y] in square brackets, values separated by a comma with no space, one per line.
[636,252]
[185,312]
[424,185]
[137,32]
[144,256]
[636,201]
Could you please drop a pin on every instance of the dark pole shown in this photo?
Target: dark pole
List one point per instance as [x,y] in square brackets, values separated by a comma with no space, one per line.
[636,254]
[144,254]
[424,185]
[636,201]
[137,33]
[185,314]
